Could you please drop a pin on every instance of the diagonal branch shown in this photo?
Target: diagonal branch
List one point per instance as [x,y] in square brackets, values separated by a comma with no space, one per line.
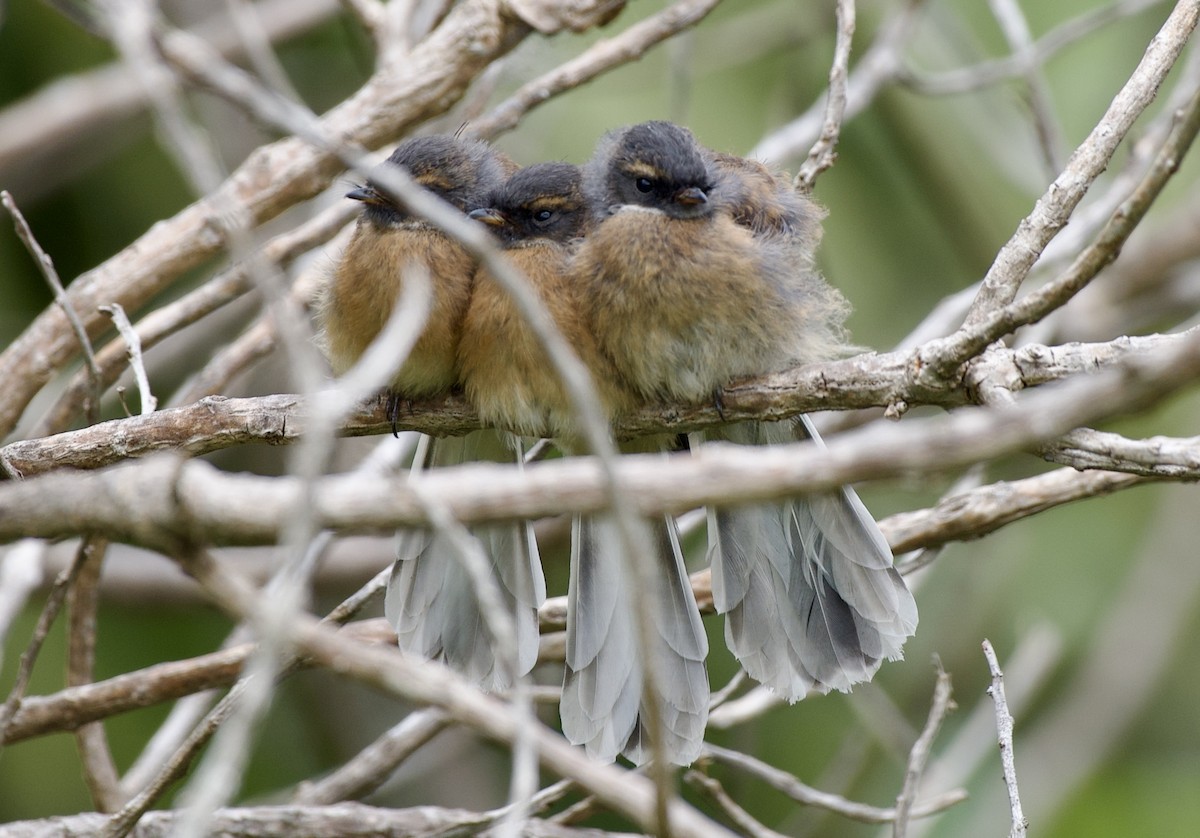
[1093,155]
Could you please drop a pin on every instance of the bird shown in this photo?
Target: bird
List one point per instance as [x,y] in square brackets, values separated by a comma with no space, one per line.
[765,202]
[699,271]
[541,218]
[387,242]
[430,598]
[681,296]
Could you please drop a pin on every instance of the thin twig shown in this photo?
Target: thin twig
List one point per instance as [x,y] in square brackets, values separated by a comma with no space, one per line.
[921,749]
[46,266]
[879,66]
[984,325]
[743,820]
[988,73]
[370,767]
[249,23]
[161,682]
[1016,31]
[499,625]
[177,765]
[123,821]
[134,344]
[224,288]
[809,796]
[601,57]
[99,770]
[408,677]
[1004,730]
[824,151]
[54,603]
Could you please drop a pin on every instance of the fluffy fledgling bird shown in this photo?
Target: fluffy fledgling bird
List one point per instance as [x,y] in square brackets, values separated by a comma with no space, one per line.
[430,597]
[366,283]
[681,296]
[700,272]
[539,215]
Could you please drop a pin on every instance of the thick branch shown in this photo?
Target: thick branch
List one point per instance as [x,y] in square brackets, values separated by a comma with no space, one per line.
[346,820]
[70,708]
[876,380]
[165,502]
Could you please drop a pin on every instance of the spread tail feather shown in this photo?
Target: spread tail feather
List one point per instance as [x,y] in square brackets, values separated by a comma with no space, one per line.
[603,707]
[811,599]
[430,599]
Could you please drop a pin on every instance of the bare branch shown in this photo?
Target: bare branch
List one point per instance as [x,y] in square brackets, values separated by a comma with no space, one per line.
[551,16]
[162,503]
[374,764]
[125,329]
[1016,31]
[601,57]
[801,793]
[46,266]
[99,770]
[984,510]
[44,137]
[879,65]
[346,820]
[986,323]
[988,73]
[921,749]
[75,706]
[745,822]
[873,380]
[824,152]
[171,317]
[1004,729]
[54,603]
[1054,208]
[430,684]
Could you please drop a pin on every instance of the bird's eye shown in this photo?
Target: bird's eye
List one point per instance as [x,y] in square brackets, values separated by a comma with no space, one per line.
[542,217]
[644,184]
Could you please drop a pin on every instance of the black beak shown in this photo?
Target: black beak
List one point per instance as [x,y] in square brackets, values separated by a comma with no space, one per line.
[368,195]
[693,196]
[489,216]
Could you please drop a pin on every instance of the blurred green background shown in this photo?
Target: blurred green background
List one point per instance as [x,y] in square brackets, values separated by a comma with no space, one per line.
[925,191]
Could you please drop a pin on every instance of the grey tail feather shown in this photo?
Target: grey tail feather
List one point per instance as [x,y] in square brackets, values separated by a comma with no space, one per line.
[431,602]
[603,707]
[811,599]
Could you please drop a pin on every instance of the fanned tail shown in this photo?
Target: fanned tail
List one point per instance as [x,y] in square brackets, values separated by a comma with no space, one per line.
[603,706]
[811,598]
[430,599]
